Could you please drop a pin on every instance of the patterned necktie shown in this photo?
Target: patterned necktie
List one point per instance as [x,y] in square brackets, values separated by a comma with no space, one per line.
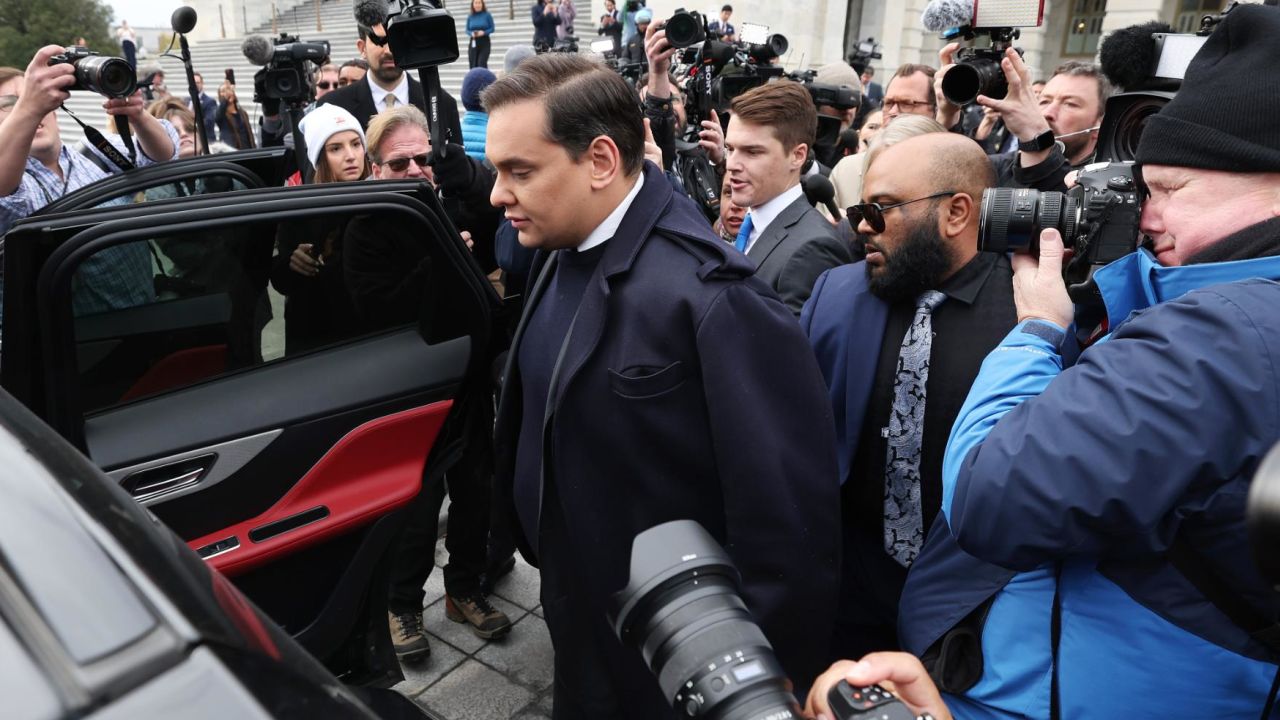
[390,101]
[903,520]
[744,235]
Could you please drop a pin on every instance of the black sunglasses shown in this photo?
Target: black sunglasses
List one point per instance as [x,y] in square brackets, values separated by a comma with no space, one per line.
[873,213]
[402,164]
[325,85]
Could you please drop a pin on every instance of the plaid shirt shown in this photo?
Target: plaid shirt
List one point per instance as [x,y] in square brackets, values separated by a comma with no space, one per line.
[118,277]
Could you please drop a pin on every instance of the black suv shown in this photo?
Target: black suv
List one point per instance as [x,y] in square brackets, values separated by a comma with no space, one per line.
[152,322]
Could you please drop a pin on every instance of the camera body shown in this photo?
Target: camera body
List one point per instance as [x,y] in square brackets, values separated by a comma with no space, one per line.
[1098,218]
[286,76]
[421,34]
[633,5]
[112,77]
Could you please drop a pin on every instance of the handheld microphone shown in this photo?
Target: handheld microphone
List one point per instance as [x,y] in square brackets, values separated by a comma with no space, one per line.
[818,189]
[369,12]
[257,49]
[183,21]
[940,15]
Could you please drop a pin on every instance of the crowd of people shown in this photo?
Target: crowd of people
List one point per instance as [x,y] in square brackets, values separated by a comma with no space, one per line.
[928,469]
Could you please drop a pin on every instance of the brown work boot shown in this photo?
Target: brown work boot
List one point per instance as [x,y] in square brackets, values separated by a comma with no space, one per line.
[486,621]
[407,637]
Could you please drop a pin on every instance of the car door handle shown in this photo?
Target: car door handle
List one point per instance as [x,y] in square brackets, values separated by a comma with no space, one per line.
[157,481]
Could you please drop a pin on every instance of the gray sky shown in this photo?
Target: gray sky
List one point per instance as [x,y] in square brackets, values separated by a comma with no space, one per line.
[144,13]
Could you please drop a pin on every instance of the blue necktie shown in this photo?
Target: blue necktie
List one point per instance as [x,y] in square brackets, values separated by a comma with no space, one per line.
[744,235]
[903,516]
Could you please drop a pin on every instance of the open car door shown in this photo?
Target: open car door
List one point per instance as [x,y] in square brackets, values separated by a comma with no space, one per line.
[279,422]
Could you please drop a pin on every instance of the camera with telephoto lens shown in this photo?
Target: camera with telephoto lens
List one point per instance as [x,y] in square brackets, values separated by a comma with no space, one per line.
[682,610]
[1098,218]
[421,34]
[112,77]
[977,70]
[685,28]
[286,76]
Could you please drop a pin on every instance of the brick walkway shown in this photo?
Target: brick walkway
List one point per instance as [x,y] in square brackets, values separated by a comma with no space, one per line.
[467,678]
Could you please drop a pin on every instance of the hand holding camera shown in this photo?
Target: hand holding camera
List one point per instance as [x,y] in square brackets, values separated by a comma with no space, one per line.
[899,673]
[1020,108]
[45,86]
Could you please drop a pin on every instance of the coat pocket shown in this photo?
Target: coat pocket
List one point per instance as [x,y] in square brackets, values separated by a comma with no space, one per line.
[646,381]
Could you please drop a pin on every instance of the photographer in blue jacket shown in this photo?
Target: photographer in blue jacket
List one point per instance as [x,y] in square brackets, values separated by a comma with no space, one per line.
[1115,481]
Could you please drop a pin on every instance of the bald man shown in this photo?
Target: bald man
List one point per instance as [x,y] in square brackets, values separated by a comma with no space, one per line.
[900,337]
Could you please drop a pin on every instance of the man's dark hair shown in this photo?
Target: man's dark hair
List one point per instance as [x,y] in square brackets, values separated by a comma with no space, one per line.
[784,107]
[908,69]
[1079,68]
[583,99]
[727,8]
[868,70]
[356,62]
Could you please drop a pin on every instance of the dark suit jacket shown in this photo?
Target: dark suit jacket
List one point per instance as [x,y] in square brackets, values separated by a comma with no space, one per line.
[357,99]
[875,95]
[797,247]
[665,407]
[209,115]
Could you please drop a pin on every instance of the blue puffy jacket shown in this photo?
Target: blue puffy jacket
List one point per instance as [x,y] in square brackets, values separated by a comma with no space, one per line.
[1093,470]
[475,126]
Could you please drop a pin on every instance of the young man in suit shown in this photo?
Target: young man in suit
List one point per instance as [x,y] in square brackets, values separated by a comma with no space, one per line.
[386,86]
[770,132]
[632,395]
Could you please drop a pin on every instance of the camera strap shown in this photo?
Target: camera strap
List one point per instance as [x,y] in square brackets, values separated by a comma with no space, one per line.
[100,142]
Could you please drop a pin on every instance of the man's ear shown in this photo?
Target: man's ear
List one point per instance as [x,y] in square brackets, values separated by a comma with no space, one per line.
[958,212]
[799,154]
[606,162]
[360,43]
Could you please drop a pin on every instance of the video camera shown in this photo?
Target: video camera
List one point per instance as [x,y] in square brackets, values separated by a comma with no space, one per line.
[682,610]
[863,53]
[287,66]
[112,77]
[977,70]
[421,34]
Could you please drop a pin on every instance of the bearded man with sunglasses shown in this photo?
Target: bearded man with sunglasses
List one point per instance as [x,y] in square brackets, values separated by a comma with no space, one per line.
[900,337]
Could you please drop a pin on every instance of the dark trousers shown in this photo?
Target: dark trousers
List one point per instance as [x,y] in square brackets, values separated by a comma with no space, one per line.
[870,588]
[478,52]
[469,484]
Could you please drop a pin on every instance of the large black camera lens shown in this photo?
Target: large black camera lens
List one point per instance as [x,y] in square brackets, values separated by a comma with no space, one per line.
[110,76]
[968,79]
[682,610]
[684,29]
[775,45]
[1012,219]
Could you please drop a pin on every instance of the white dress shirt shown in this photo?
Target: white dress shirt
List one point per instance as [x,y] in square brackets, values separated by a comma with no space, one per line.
[605,230]
[401,91]
[764,214]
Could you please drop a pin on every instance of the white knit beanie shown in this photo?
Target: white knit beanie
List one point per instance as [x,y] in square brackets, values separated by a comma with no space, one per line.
[323,123]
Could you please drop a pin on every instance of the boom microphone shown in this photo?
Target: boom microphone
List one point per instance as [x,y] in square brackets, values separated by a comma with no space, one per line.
[257,49]
[183,20]
[940,15]
[1128,55]
[370,12]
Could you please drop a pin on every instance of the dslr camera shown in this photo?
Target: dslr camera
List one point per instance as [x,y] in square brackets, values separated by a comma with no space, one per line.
[285,76]
[685,28]
[682,610]
[102,74]
[1098,219]
[977,69]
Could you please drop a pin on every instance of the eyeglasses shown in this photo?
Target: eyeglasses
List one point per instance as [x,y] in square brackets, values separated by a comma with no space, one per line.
[325,85]
[402,164]
[873,213]
[905,105]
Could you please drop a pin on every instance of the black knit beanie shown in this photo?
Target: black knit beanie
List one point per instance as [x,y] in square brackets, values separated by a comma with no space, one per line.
[1226,116]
